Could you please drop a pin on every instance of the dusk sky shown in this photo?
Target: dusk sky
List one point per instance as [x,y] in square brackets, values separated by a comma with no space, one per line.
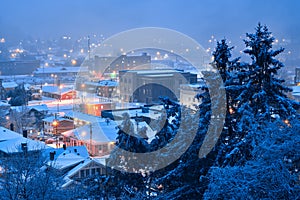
[197,18]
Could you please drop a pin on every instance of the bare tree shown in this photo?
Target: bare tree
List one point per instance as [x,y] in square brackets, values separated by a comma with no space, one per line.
[4,111]
[25,176]
[20,118]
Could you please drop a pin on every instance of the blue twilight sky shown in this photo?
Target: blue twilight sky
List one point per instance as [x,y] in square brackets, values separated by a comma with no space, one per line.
[197,18]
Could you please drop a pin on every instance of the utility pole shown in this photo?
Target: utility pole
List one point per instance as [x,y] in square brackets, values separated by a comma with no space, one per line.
[91,137]
[55,126]
[89,48]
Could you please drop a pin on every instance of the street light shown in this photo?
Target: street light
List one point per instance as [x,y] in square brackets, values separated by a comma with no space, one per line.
[55,124]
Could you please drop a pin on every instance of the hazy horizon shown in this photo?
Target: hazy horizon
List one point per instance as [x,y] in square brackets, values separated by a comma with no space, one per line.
[198,19]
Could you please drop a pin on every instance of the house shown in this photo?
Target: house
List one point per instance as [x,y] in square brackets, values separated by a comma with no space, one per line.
[99,137]
[74,163]
[95,108]
[64,159]
[87,168]
[61,92]
[80,118]
[14,143]
[38,110]
[63,124]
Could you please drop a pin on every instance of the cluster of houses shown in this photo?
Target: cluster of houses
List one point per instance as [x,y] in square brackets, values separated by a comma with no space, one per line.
[78,144]
[73,162]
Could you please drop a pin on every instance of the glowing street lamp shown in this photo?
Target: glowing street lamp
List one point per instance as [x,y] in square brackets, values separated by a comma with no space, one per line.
[74,62]
[55,124]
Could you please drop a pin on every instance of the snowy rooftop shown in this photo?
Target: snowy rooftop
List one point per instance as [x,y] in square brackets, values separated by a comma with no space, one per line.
[56,70]
[6,134]
[14,145]
[103,83]
[82,116]
[52,118]
[39,108]
[150,133]
[158,71]
[197,85]
[56,89]
[102,132]
[159,75]
[80,166]
[67,158]
[153,114]
[11,84]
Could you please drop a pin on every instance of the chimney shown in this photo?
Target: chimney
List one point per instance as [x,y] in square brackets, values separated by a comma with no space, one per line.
[25,133]
[11,126]
[24,146]
[52,156]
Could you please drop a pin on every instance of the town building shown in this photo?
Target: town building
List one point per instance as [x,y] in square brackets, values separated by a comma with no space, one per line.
[123,62]
[188,94]
[58,92]
[103,88]
[18,67]
[63,124]
[57,75]
[148,85]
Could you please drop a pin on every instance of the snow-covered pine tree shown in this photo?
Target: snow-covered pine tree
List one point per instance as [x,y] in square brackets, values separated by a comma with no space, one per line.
[272,174]
[181,178]
[227,69]
[267,94]
[257,96]
[121,183]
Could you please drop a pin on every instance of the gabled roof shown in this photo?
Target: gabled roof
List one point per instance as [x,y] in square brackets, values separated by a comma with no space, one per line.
[14,145]
[39,108]
[6,134]
[52,118]
[67,158]
[82,116]
[101,132]
[68,178]
[56,89]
